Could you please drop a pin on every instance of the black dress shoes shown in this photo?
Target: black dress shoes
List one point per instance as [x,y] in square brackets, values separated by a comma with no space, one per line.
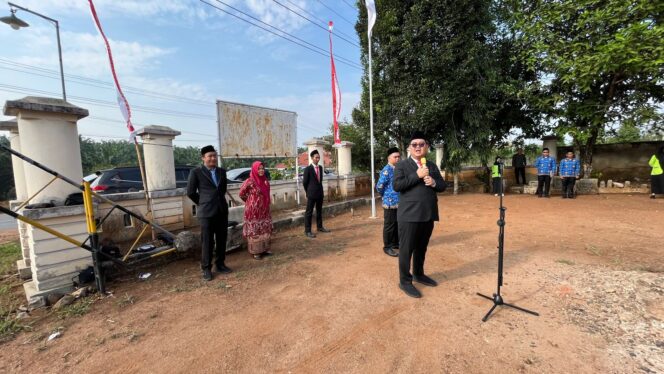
[390,252]
[223,269]
[310,235]
[207,275]
[425,280]
[323,229]
[410,290]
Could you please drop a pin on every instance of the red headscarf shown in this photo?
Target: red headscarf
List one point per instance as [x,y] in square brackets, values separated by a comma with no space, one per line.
[261,182]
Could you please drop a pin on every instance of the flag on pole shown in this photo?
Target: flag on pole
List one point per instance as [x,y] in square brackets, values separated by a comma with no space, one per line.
[336,93]
[371,14]
[122,101]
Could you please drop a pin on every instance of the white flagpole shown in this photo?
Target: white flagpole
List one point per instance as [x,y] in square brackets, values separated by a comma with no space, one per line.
[371,131]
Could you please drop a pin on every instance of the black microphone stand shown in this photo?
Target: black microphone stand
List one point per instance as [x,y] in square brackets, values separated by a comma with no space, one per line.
[497,298]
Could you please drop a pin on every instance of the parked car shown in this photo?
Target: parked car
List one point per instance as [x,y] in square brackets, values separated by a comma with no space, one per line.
[241,174]
[128,179]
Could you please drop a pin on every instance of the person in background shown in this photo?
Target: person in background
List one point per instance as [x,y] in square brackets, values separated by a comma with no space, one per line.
[657,174]
[497,176]
[257,228]
[418,181]
[312,180]
[569,171]
[385,188]
[546,168]
[519,165]
[206,188]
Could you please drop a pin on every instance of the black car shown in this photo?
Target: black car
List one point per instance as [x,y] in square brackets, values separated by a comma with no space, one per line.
[128,179]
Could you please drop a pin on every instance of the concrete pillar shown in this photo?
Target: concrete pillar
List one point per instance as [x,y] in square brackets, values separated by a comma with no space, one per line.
[345,159]
[158,156]
[551,142]
[17,163]
[318,144]
[49,136]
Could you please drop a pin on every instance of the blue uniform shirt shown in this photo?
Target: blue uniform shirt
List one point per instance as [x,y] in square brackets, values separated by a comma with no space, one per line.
[569,168]
[385,187]
[545,165]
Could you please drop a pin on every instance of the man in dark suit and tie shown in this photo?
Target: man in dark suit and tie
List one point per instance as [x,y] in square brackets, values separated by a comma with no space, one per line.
[312,180]
[417,183]
[206,188]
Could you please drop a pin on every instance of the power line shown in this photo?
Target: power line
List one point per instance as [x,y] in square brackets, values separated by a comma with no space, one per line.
[335,12]
[285,32]
[318,24]
[317,18]
[104,84]
[325,54]
[30,91]
[110,104]
[347,3]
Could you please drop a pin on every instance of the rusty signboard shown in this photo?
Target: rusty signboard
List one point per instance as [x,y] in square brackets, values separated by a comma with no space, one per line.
[253,131]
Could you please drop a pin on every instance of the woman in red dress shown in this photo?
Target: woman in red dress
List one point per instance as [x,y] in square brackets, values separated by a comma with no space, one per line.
[257,229]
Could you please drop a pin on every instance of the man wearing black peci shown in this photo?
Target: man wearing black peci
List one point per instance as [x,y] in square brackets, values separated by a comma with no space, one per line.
[206,188]
[417,183]
[312,180]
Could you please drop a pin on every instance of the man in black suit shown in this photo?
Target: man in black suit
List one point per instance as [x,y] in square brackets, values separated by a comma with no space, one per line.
[417,184]
[206,188]
[312,180]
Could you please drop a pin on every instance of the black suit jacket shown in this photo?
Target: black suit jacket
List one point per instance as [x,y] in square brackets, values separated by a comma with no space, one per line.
[417,202]
[202,191]
[312,186]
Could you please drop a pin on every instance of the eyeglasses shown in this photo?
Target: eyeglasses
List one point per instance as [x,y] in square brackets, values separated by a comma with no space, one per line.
[418,145]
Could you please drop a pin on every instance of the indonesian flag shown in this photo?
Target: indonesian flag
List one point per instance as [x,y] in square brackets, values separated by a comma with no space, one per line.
[122,101]
[371,14]
[336,93]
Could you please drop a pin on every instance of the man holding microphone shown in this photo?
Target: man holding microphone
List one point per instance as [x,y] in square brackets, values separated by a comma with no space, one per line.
[417,181]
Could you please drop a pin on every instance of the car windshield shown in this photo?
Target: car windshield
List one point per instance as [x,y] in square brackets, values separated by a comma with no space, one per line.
[235,173]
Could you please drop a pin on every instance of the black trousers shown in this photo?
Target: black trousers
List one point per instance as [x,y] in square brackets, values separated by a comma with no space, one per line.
[311,203]
[568,186]
[390,229]
[214,230]
[543,185]
[520,171]
[413,241]
[497,186]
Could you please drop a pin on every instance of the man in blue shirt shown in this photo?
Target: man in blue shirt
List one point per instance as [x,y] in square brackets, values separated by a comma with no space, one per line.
[569,170]
[546,168]
[385,188]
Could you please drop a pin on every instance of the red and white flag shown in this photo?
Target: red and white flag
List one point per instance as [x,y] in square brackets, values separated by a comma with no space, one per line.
[336,93]
[122,101]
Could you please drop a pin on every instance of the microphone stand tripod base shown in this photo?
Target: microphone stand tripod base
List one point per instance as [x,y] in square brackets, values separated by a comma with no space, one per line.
[498,300]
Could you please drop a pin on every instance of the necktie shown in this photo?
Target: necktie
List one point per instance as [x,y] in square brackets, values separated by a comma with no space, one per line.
[214,177]
[317,176]
[419,163]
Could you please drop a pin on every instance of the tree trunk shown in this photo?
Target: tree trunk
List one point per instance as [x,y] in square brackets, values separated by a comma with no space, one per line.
[456,183]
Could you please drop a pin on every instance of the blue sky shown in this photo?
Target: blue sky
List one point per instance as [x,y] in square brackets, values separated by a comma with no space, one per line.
[186,49]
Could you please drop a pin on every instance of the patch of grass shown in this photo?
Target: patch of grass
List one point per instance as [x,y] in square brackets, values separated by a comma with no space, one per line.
[184,286]
[4,289]
[593,250]
[565,261]
[10,327]
[9,254]
[77,309]
[126,300]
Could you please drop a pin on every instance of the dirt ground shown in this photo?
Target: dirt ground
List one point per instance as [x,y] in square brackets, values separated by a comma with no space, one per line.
[592,267]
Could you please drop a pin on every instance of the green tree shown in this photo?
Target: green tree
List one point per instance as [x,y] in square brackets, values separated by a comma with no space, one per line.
[601,62]
[447,68]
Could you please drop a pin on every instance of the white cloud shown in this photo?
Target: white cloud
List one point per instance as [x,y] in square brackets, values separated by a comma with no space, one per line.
[183,9]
